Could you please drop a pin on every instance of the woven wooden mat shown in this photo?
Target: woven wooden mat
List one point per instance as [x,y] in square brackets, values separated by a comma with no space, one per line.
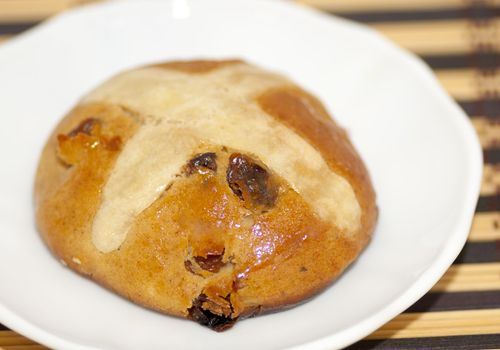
[460,40]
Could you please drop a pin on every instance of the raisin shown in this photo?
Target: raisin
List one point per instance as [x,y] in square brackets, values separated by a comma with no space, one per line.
[212,263]
[85,127]
[189,266]
[251,181]
[206,318]
[202,161]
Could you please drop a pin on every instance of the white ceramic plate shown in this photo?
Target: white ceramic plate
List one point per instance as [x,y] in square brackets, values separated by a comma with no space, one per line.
[420,148]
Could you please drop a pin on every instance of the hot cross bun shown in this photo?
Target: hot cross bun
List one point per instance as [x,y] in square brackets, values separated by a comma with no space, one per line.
[211,190]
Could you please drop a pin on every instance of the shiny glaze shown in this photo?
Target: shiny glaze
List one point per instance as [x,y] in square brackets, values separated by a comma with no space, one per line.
[306,115]
[216,222]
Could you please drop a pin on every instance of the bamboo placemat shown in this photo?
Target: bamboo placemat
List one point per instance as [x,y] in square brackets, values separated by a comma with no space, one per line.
[460,40]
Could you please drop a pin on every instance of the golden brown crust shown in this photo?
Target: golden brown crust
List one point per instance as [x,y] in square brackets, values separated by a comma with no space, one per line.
[196,66]
[307,116]
[228,238]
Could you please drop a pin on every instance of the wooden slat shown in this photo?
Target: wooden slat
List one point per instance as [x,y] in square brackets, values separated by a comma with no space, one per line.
[487,204]
[470,277]
[33,10]
[476,14]
[479,252]
[9,338]
[446,323]
[492,156]
[490,82]
[4,38]
[457,342]
[382,5]
[460,83]
[487,108]
[485,227]
[437,37]
[488,131]
[16,340]
[468,83]
[25,347]
[491,180]
[434,302]
[481,59]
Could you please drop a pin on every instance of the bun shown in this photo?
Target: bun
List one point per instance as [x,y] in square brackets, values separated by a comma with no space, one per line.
[211,190]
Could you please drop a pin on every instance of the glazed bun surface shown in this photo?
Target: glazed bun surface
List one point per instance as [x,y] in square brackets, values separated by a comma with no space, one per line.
[212,190]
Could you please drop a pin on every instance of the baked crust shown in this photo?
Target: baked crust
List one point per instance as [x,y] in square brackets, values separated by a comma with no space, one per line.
[233,233]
